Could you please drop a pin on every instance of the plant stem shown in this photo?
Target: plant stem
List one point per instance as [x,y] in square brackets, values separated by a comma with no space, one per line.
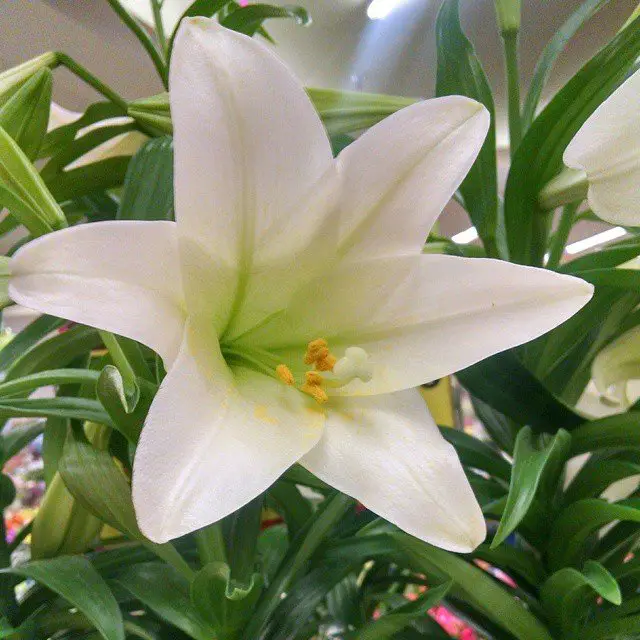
[562,234]
[144,39]
[510,39]
[157,19]
[211,545]
[84,74]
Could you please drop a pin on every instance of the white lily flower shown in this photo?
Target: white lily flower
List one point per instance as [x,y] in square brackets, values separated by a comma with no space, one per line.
[284,263]
[124,144]
[607,148]
[616,370]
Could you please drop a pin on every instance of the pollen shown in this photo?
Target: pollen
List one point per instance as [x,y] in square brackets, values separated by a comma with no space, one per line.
[313,387]
[318,354]
[284,374]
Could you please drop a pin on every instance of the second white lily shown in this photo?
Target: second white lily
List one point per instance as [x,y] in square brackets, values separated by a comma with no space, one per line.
[290,300]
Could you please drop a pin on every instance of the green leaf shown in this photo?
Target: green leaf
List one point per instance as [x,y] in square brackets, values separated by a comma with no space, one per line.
[166,593]
[16,439]
[89,179]
[550,54]
[623,629]
[475,587]
[615,432]
[521,562]
[567,596]
[596,475]
[54,353]
[241,530]
[24,192]
[65,135]
[27,384]
[127,416]
[301,549]
[77,148]
[571,530]
[59,407]
[502,430]
[539,156]
[350,111]
[222,602]
[476,454]
[403,616]
[531,458]
[25,115]
[27,338]
[505,384]
[148,186]
[95,480]
[74,579]
[607,257]
[459,72]
[249,19]
[294,507]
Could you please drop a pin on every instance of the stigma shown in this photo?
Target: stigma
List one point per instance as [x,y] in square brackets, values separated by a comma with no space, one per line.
[329,372]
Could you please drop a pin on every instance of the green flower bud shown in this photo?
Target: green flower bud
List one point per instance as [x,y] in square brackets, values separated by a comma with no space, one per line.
[508,15]
[12,79]
[153,113]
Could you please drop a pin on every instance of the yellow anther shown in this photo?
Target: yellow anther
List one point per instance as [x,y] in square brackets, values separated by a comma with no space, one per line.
[313,386]
[327,363]
[319,355]
[284,374]
[316,349]
[313,378]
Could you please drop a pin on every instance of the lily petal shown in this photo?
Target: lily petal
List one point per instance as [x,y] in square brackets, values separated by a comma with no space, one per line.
[388,453]
[214,440]
[249,146]
[423,317]
[120,276]
[607,148]
[401,173]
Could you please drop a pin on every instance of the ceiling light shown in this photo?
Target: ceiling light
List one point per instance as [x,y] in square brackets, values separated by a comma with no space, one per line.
[379,9]
[594,241]
[466,236]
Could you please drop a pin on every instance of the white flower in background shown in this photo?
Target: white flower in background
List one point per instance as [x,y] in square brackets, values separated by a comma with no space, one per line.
[616,370]
[607,147]
[124,144]
[290,300]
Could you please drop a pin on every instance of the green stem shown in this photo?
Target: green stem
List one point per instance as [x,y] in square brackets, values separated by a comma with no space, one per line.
[211,545]
[510,39]
[157,19]
[561,235]
[84,74]
[144,39]
[171,556]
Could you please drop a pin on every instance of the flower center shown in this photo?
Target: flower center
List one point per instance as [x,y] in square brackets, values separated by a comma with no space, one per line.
[328,371]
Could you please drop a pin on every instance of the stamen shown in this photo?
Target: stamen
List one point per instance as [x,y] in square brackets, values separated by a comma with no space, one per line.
[313,387]
[284,374]
[318,354]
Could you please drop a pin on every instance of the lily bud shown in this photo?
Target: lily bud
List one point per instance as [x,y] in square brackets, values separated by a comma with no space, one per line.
[62,525]
[12,79]
[153,112]
[508,12]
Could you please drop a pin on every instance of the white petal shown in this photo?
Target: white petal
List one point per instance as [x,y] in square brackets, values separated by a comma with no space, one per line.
[607,147]
[249,145]
[400,174]
[388,453]
[615,365]
[214,440]
[121,276]
[423,317]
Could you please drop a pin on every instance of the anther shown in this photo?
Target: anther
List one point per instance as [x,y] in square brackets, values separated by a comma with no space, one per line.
[284,374]
[313,387]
